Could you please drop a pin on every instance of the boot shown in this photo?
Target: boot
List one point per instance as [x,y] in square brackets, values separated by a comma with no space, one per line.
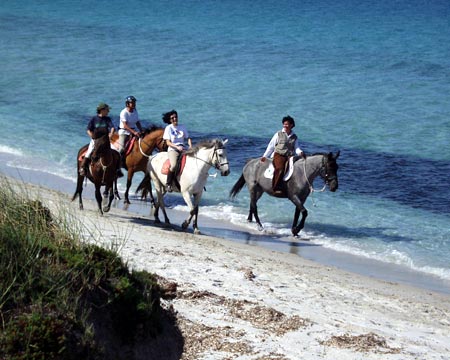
[84,166]
[169,181]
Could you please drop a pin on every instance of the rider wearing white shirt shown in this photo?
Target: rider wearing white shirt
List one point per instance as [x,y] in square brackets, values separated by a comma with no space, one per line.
[175,135]
[129,122]
[284,143]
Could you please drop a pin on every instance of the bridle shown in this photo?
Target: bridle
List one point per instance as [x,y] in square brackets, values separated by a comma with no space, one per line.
[323,174]
[216,164]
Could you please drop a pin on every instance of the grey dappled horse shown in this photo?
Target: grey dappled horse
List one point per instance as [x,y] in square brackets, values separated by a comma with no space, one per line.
[296,189]
[199,159]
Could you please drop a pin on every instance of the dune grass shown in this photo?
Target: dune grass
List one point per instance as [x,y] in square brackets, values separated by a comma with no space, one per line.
[62,298]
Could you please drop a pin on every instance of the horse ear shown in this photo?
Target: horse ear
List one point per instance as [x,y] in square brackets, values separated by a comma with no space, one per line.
[225,141]
[337,154]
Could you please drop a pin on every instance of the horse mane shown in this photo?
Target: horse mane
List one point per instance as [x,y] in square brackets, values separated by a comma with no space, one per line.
[208,144]
[151,128]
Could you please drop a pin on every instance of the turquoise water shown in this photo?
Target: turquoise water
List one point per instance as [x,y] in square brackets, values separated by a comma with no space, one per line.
[371,80]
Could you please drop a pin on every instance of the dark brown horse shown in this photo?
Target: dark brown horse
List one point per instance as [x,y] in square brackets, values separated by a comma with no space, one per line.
[136,159]
[102,172]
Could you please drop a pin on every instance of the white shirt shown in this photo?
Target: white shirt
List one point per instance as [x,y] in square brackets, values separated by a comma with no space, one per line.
[130,118]
[176,135]
[273,142]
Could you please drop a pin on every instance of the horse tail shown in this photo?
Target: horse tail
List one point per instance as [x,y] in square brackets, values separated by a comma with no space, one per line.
[237,187]
[145,187]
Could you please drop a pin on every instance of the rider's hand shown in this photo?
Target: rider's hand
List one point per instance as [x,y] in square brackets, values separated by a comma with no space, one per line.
[303,155]
[263,159]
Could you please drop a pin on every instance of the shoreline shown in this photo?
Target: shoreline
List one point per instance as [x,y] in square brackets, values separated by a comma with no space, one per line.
[235,301]
[243,235]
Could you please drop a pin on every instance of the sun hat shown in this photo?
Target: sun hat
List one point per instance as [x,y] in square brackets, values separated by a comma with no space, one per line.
[102,106]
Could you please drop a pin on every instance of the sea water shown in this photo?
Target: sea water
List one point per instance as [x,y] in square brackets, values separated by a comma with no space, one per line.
[369,79]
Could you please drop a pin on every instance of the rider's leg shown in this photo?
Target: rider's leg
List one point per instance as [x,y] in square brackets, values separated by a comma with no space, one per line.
[87,159]
[173,156]
[279,162]
[122,142]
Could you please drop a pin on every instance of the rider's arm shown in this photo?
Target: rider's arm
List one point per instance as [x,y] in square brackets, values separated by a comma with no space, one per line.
[271,147]
[126,127]
[298,151]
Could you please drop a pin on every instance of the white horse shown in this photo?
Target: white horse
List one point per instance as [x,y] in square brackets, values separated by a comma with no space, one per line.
[191,182]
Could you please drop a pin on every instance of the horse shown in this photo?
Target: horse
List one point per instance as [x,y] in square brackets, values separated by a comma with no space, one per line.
[136,159]
[102,171]
[255,175]
[191,182]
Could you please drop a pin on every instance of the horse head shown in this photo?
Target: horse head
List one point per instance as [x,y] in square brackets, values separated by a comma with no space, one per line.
[219,158]
[101,146]
[330,168]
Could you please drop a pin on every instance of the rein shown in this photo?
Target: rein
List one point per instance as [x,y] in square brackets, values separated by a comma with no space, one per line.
[140,147]
[311,188]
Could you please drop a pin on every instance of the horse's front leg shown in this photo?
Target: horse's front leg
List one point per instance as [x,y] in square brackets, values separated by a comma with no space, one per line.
[110,192]
[298,208]
[116,192]
[99,198]
[79,191]
[297,228]
[193,213]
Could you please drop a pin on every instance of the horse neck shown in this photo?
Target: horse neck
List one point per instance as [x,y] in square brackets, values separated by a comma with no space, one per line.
[313,166]
[203,158]
[151,141]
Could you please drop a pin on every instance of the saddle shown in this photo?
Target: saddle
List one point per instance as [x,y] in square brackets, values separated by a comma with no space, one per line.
[178,168]
[288,170]
[128,145]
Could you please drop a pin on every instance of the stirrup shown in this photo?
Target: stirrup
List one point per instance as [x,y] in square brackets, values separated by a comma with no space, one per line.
[169,188]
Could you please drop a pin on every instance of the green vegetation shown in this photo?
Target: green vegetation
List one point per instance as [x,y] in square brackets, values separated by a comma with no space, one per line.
[61,298]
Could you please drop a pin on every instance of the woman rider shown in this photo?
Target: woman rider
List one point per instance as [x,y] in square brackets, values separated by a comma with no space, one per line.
[98,126]
[175,134]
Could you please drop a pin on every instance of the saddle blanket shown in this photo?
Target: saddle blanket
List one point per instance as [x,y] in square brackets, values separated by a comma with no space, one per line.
[166,166]
[268,174]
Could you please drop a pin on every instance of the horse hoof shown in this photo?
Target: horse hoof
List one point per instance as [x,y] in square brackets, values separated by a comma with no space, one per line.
[260,227]
[185,225]
[106,209]
[197,232]
[157,221]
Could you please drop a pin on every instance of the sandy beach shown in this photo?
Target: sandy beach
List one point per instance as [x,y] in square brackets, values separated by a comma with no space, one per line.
[236,301]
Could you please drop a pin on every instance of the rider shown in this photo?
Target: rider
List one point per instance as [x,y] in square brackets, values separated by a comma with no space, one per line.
[283,144]
[129,121]
[98,126]
[174,134]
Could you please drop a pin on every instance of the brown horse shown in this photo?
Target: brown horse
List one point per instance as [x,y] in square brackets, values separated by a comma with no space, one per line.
[102,171]
[136,159]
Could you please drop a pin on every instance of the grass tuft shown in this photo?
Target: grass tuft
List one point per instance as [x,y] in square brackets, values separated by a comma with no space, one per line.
[61,298]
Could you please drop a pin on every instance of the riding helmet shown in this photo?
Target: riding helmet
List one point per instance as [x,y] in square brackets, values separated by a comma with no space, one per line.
[130,99]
